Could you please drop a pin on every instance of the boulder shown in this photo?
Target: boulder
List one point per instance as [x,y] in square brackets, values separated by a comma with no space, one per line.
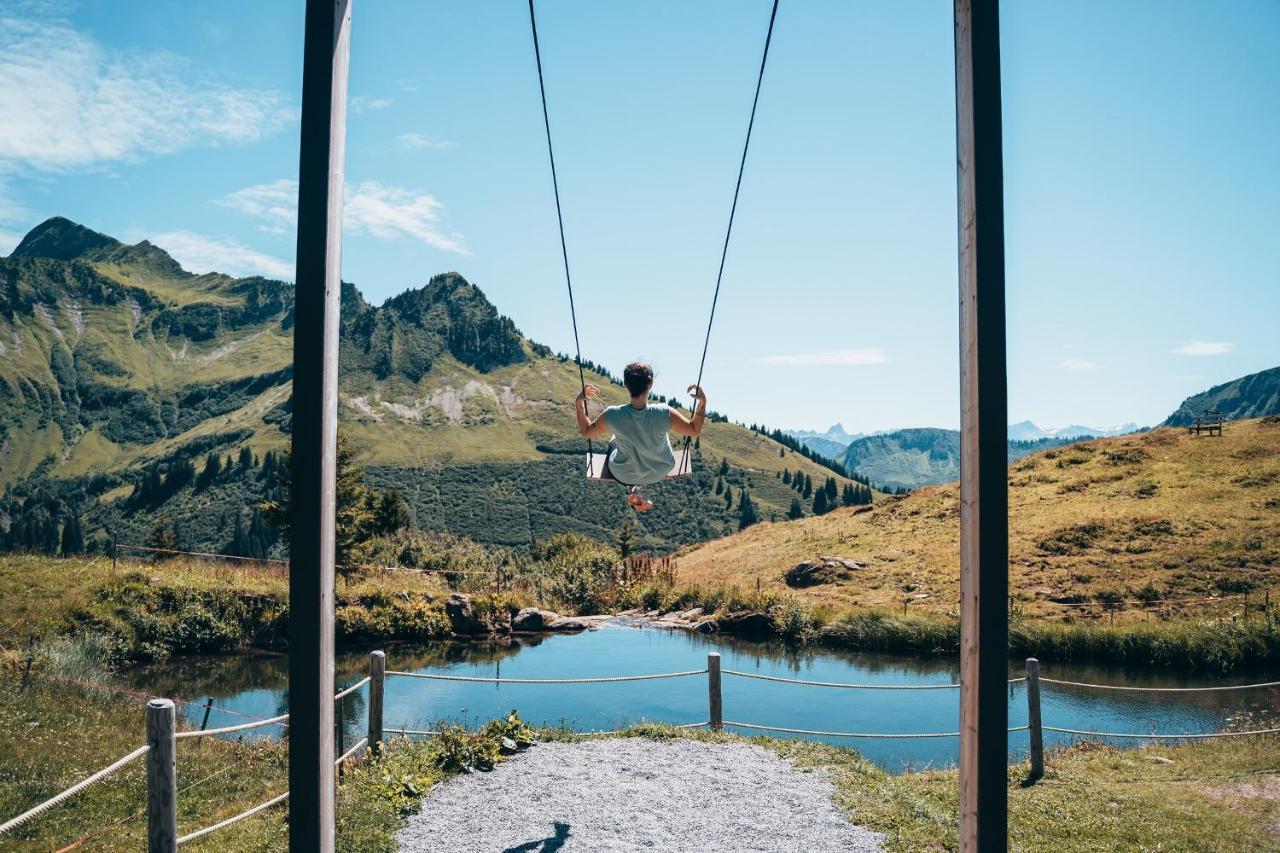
[462,617]
[748,623]
[533,619]
[577,623]
[823,570]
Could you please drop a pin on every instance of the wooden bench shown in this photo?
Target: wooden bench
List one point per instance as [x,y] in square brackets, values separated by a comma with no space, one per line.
[1209,421]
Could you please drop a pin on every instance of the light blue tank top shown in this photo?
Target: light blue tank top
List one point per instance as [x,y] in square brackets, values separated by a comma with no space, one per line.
[643,453]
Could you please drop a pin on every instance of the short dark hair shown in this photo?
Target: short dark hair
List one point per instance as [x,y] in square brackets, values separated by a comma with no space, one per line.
[638,377]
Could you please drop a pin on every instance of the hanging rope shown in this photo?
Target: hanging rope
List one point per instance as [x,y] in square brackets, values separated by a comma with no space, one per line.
[737,187]
[555,186]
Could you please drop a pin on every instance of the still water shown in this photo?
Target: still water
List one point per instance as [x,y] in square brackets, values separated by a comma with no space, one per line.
[255,685]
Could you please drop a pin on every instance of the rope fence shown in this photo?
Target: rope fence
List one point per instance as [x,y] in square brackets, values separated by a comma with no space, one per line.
[162,735]
[226,730]
[606,680]
[1211,689]
[73,790]
[231,821]
[872,735]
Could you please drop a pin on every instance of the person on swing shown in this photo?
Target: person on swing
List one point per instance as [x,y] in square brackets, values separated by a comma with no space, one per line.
[640,450]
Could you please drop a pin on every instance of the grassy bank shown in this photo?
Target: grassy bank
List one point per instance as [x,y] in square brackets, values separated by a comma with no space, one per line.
[150,611]
[1152,519]
[1209,645]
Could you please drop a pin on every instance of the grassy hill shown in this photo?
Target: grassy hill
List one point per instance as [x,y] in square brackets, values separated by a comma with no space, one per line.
[117,365]
[1158,515]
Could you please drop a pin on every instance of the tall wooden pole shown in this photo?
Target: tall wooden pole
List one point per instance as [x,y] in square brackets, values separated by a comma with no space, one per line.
[984,546]
[315,425]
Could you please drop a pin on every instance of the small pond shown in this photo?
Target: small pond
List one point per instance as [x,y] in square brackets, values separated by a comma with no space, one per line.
[254,685]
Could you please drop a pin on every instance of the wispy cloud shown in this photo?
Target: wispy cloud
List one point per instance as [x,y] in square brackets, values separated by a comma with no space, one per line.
[389,212]
[275,203]
[416,142]
[201,254]
[69,103]
[1078,364]
[361,104]
[1205,348]
[834,358]
[370,207]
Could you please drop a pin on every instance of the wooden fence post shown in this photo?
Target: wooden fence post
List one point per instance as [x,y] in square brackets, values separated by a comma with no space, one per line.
[1033,719]
[162,781]
[377,677]
[208,706]
[714,699]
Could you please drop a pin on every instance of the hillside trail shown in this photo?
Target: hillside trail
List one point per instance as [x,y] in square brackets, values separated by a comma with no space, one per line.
[634,794]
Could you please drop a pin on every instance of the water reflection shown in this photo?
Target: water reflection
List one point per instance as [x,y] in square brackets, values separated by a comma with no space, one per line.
[254,685]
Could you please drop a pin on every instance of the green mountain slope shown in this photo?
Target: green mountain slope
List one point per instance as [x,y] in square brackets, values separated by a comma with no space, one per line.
[1254,396]
[119,368]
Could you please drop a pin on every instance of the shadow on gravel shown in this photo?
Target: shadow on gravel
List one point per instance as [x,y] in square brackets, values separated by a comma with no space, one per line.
[550,844]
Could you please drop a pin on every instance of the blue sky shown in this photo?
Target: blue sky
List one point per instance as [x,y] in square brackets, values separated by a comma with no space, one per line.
[1142,181]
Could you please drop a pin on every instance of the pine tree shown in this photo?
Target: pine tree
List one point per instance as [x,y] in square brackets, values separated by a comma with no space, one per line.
[796,511]
[719,486]
[724,467]
[746,511]
[728,497]
[212,468]
[808,486]
[163,533]
[820,502]
[786,476]
[72,536]
[830,488]
[390,513]
[246,457]
[782,453]
[625,536]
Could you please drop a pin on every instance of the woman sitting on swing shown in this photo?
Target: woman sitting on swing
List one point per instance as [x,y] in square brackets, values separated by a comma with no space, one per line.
[640,450]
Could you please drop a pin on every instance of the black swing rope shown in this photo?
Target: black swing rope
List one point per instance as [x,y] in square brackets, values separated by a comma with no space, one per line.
[737,187]
[724,251]
[564,251]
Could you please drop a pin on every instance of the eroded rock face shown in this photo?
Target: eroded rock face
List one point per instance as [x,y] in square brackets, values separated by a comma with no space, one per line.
[823,570]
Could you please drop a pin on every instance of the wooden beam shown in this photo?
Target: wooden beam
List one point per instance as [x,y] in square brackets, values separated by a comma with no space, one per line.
[984,522]
[315,425]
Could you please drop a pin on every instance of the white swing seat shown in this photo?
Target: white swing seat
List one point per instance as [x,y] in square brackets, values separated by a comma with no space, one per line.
[683,466]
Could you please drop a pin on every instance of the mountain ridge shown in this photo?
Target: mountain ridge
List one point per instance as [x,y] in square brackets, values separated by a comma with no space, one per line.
[121,369]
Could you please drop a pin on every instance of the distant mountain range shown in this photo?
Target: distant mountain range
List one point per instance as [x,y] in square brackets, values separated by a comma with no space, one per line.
[909,458]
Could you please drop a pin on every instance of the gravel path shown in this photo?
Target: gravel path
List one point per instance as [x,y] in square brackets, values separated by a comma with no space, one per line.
[631,794]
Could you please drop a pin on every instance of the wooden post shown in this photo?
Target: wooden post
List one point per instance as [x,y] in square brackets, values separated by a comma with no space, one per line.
[715,701]
[377,678]
[208,706]
[340,746]
[162,777]
[315,424]
[1033,719]
[984,499]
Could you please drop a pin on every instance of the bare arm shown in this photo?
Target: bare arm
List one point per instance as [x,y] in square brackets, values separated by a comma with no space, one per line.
[586,426]
[681,425]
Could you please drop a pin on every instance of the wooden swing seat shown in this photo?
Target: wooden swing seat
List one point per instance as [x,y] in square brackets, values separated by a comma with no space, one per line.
[596,468]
